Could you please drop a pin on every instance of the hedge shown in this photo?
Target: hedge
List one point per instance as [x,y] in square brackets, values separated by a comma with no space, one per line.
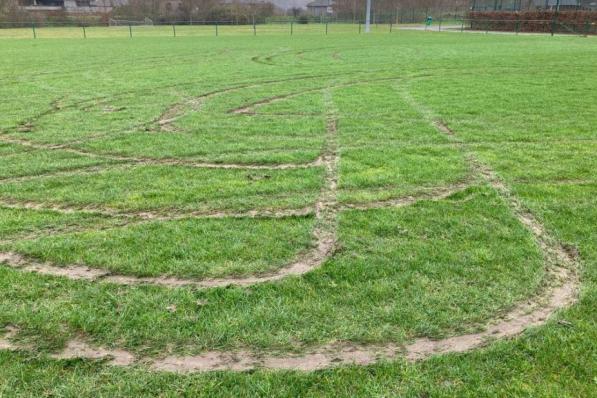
[545,21]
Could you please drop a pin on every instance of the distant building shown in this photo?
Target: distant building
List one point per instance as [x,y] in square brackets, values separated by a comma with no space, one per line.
[289,4]
[283,5]
[319,8]
[71,6]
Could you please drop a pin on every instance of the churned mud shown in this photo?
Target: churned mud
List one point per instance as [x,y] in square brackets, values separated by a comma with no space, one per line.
[6,339]
[79,349]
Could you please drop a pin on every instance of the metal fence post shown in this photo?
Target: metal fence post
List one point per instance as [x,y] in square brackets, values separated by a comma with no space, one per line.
[34,33]
[174,30]
[254,27]
[555,18]
[130,31]
[217,33]
[326,28]
[390,27]
[84,32]
[291,28]
[359,27]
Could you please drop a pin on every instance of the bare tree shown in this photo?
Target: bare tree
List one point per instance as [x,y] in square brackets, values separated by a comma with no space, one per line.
[387,10]
[10,11]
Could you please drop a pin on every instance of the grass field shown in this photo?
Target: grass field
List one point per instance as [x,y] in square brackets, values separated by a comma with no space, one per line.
[378,215]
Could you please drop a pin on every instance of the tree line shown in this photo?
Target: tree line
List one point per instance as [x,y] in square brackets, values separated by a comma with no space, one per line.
[246,11]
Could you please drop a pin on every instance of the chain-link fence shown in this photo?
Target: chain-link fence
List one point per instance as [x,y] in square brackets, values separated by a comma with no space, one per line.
[428,20]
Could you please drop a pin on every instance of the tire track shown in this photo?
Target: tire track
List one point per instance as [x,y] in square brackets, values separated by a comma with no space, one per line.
[125,219]
[561,263]
[559,290]
[324,233]
[434,194]
[157,216]
[160,161]
[65,172]
[248,109]
[85,104]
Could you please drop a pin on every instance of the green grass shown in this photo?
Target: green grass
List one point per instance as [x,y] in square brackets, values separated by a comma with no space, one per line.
[173,188]
[15,222]
[380,173]
[196,248]
[524,105]
[19,163]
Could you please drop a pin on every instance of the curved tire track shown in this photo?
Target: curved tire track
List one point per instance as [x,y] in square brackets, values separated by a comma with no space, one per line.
[561,289]
[324,233]
[160,161]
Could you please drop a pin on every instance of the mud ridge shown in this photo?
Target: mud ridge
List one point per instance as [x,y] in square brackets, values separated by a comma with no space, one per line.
[44,232]
[175,112]
[29,124]
[269,59]
[80,349]
[122,219]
